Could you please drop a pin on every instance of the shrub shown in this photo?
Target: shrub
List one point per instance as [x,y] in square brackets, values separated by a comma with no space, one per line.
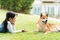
[23,6]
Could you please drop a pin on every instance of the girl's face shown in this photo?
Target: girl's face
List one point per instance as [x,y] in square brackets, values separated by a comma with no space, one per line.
[12,20]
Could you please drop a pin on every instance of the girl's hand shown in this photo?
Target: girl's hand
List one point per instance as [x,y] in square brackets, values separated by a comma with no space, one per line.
[24,31]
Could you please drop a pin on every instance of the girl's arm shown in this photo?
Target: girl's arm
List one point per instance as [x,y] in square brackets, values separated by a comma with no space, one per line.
[11,28]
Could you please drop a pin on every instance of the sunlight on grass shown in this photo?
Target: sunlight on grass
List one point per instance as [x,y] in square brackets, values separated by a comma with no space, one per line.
[27,22]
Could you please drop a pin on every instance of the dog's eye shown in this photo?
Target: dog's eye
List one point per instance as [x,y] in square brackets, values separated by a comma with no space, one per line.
[43,18]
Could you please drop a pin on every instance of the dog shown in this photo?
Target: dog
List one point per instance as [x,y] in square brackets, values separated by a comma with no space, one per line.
[44,26]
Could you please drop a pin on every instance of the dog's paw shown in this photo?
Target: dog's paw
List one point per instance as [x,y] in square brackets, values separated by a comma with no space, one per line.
[46,33]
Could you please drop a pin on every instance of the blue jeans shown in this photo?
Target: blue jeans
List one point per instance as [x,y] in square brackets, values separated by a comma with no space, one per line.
[1,27]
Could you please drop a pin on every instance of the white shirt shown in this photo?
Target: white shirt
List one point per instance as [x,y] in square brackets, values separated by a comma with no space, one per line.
[11,28]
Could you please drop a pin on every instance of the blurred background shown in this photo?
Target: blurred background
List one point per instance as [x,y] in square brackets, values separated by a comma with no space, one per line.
[52,7]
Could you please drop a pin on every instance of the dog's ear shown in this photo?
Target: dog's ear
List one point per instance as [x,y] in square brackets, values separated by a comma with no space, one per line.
[47,14]
[41,15]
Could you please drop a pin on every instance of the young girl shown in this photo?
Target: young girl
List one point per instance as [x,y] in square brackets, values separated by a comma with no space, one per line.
[8,24]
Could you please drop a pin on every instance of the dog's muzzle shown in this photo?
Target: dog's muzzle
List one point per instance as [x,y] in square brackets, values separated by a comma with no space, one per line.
[44,21]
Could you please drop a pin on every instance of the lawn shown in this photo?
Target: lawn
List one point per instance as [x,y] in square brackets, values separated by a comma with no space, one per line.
[27,22]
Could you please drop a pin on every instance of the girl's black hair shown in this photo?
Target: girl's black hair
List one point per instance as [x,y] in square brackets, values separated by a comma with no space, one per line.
[8,15]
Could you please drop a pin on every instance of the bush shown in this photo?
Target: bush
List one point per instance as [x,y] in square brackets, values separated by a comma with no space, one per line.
[23,6]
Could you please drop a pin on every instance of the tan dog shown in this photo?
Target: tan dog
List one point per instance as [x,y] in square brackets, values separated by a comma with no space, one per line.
[44,26]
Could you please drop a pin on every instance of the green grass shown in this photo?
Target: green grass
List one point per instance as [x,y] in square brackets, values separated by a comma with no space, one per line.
[27,22]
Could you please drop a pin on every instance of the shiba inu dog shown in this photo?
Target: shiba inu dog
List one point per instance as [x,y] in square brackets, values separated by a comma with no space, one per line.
[43,25]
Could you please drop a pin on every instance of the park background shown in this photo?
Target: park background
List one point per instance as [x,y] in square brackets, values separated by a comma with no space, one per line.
[28,14]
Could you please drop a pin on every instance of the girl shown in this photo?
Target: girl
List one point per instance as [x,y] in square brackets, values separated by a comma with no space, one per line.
[8,24]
